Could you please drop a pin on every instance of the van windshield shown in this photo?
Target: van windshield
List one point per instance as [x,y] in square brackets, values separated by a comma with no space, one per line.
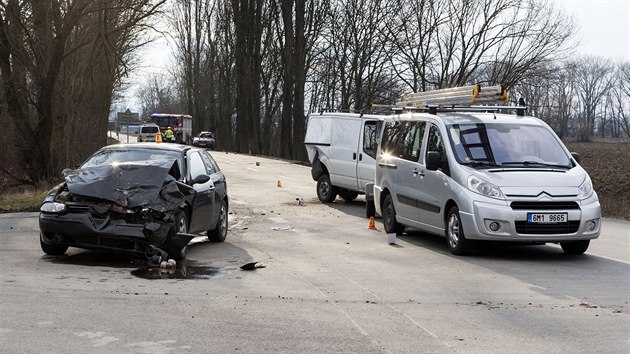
[507,145]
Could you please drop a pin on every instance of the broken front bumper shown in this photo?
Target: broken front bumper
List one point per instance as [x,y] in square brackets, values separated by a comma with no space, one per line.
[83,230]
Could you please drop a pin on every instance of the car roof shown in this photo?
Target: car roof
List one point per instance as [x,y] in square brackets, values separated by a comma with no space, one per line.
[152,146]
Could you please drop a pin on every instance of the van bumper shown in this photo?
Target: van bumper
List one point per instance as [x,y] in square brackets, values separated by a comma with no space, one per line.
[583,224]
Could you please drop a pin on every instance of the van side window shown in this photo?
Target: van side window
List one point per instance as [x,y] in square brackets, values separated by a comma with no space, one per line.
[403,139]
[435,143]
[413,140]
[370,137]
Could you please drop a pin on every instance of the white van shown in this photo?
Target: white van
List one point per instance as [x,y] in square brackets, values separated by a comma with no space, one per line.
[147,132]
[483,176]
[341,148]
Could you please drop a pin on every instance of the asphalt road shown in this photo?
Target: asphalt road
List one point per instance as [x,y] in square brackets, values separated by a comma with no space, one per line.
[329,285]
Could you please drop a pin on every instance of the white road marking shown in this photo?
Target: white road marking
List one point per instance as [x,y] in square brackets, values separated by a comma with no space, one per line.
[253,169]
[610,258]
[285,177]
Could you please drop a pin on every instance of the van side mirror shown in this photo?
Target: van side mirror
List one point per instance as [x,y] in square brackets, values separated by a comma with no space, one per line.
[434,160]
[576,156]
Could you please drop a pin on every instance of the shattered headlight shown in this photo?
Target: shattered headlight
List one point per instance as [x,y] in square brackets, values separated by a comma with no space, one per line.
[484,188]
[52,207]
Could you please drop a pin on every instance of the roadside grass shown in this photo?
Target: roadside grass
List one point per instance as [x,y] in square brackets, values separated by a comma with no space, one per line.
[27,199]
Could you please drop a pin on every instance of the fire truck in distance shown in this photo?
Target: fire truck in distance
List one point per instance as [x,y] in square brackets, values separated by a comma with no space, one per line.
[181,125]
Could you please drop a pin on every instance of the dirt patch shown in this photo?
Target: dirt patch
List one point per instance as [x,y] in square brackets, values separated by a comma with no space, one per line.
[608,164]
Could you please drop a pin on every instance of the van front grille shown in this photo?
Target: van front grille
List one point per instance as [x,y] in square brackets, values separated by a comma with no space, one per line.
[544,205]
[571,227]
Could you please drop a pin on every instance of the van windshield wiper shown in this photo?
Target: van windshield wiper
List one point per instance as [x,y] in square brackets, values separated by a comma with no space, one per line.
[533,163]
[482,163]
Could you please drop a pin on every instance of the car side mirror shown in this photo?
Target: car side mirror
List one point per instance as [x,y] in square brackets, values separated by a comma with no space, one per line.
[66,172]
[576,156]
[434,160]
[200,179]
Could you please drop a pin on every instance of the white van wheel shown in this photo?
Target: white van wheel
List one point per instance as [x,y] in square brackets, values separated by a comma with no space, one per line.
[389,217]
[326,192]
[455,239]
[575,247]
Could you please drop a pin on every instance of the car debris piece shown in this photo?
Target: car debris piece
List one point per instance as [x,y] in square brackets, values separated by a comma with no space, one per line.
[300,201]
[252,266]
[285,228]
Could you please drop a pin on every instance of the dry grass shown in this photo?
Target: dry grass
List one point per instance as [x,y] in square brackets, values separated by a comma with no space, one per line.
[28,199]
[608,164]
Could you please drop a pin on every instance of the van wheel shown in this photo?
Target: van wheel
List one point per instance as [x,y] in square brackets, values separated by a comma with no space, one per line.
[455,239]
[370,208]
[326,192]
[389,217]
[575,247]
[348,196]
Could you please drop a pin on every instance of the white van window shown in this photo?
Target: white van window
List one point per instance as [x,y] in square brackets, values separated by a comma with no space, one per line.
[370,137]
[507,145]
[403,139]
[149,130]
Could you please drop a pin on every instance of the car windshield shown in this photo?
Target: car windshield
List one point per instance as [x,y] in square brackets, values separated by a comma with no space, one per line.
[206,135]
[152,129]
[507,145]
[111,156]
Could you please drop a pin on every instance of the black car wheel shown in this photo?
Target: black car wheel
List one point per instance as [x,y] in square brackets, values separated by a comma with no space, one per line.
[181,225]
[389,217]
[326,192]
[53,250]
[220,232]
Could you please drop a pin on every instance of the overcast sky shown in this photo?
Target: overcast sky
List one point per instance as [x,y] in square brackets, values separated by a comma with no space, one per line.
[604,26]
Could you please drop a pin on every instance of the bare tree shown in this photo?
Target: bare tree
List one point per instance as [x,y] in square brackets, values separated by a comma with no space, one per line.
[593,78]
[47,46]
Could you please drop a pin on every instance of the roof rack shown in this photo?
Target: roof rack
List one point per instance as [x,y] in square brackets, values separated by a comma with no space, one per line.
[464,98]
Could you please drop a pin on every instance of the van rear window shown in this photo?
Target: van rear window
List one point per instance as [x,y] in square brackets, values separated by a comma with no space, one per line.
[147,130]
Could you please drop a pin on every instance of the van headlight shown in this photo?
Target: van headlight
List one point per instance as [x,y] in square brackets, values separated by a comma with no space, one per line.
[586,188]
[52,207]
[484,188]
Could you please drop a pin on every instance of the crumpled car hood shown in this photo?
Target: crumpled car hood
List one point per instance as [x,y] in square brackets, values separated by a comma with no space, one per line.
[131,184]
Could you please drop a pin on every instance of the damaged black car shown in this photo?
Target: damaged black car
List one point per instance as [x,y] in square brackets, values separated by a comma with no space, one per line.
[142,199]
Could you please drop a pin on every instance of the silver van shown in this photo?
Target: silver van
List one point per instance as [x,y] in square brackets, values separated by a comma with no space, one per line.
[147,132]
[483,176]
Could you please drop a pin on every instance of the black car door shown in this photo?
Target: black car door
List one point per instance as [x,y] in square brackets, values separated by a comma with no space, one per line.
[218,178]
[203,203]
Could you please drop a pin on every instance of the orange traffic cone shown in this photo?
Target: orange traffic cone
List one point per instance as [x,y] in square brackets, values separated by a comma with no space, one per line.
[371,225]
[158,137]
[279,184]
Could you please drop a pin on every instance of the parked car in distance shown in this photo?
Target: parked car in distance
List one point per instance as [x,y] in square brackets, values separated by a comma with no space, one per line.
[133,198]
[483,176]
[204,139]
[147,132]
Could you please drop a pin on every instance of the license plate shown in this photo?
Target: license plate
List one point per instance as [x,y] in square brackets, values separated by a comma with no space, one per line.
[546,218]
